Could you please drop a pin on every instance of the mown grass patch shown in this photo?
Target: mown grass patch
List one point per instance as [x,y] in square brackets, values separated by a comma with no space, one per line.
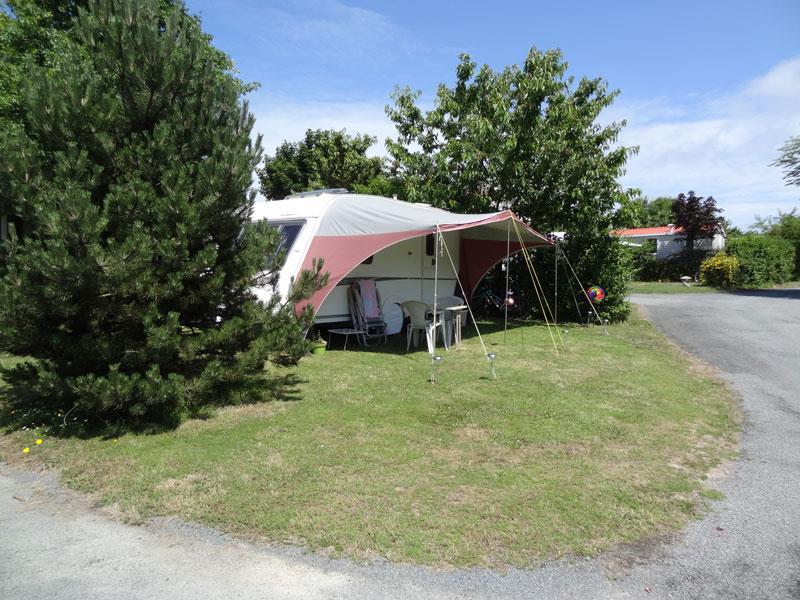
[669,287]
[605,443]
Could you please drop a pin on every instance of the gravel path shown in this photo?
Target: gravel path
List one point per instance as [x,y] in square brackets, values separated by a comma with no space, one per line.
[53,545]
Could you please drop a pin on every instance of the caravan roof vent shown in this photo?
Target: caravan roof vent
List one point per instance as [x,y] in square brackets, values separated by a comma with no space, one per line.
[317,193]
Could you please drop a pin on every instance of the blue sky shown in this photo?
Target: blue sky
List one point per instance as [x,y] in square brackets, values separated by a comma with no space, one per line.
[710,89]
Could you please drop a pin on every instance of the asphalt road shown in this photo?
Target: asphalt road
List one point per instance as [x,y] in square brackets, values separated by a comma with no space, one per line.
[53,545]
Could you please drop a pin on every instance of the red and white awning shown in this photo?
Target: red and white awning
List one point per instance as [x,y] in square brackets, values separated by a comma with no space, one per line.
[353,227]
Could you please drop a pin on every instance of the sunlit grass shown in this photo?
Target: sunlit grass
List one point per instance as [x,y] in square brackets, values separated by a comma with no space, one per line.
[604,443]
[669,287]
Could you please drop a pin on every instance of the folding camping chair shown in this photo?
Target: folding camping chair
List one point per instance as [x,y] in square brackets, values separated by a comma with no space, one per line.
[365,308]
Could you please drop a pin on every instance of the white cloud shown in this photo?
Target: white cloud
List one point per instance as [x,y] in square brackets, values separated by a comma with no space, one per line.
[720,145]
[280,120]
[331,30]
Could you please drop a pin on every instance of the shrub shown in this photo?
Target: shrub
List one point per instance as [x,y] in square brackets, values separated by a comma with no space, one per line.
[786,226]
[719,270]
[763,260]
[652,269]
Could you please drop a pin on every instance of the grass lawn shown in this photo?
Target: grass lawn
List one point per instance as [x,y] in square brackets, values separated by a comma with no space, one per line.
[788,284]
[676,287]
[669,287]
[606,443]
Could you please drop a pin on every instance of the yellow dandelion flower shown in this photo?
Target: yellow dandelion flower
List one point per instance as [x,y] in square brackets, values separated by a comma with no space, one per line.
[26,450]
[39,442]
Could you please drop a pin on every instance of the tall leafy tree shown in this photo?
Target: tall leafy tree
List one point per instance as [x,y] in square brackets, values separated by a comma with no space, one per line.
[789,161]
[323,159]
[31,32]
[132,291]
[653,213]
[788,224]
[698,217]
[527,138]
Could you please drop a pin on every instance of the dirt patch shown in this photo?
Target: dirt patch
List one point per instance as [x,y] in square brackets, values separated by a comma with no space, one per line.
[471,433]
[618,562]
[468,495]
[183,484]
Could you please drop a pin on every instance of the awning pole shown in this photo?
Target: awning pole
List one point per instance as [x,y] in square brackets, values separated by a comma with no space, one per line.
[508,270]
[489,355]
[435,292]
[555,288]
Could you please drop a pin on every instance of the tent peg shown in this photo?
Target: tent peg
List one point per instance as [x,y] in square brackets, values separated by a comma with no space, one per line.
[491,356]
[435,359]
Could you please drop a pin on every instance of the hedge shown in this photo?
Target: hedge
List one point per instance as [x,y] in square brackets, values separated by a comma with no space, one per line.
[651,269]
[763,260]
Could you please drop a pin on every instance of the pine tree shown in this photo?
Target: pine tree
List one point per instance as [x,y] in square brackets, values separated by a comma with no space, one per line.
[132,288]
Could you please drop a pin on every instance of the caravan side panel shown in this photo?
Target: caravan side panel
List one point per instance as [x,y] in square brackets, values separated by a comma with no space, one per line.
[403,271]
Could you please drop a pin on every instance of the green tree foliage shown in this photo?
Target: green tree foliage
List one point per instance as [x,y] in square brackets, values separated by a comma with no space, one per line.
[36,32]
[789,161]
[731,230]
[653,213]
[698,217]
[323,159]
[527,139]
[787,226]
[31,32]
[132,292]
[763,260]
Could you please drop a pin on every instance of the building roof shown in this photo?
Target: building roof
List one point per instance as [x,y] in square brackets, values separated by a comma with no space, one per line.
[648,231]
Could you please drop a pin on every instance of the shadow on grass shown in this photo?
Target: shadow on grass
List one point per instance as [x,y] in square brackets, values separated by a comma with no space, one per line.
[396,344]
[790,293]
[284,388]
[274,388]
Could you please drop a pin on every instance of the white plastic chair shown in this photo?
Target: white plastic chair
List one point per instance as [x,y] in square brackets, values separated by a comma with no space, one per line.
[444,303]
[418,313]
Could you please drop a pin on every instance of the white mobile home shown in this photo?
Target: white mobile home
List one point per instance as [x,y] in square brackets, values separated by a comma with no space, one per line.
[669,241]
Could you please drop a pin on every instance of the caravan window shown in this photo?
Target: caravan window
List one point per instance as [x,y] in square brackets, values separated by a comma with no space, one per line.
[430,245]
[288,233]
